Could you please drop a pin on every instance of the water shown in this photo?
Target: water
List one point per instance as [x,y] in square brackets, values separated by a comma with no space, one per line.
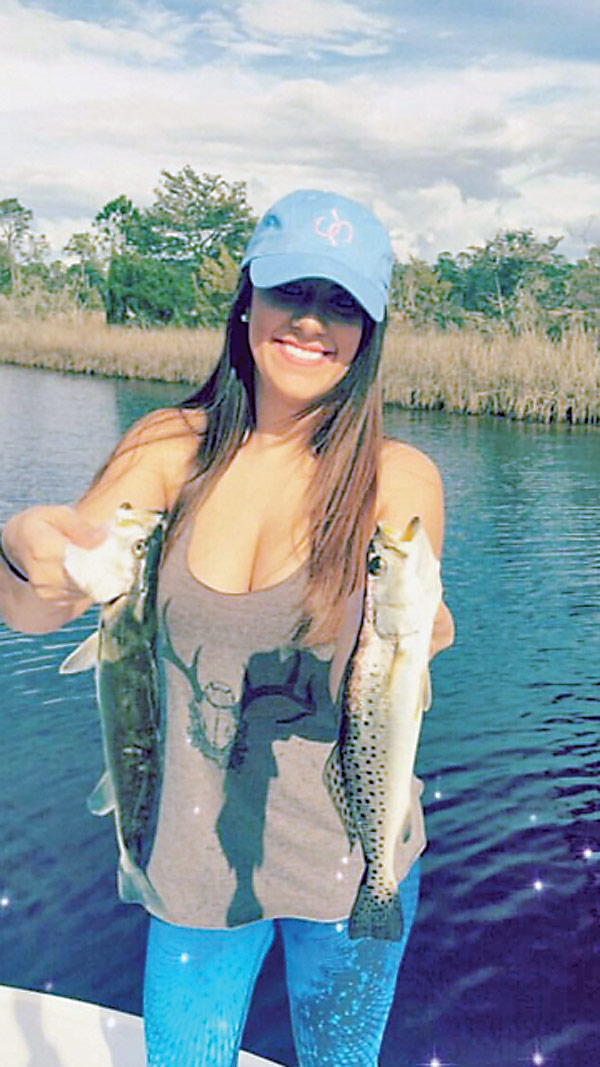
[503,967]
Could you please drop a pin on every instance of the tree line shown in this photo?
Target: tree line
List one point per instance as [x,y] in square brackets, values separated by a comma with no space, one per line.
[176,261]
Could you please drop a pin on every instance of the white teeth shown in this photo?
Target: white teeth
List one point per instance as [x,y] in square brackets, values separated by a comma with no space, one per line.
[303,353]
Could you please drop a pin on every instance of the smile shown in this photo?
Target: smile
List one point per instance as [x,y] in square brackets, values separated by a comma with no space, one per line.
[298,354]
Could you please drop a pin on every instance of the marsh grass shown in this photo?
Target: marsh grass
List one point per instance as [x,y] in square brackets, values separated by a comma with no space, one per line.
[86,345]
[526,377]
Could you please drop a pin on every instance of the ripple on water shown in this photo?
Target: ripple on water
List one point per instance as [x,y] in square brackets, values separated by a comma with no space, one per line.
[496,968]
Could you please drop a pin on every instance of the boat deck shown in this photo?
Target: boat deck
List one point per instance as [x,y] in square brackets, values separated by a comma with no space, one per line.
[53,1031]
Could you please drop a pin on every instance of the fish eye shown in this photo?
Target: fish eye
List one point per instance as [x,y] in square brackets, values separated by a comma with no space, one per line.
[375,564]
[139,548]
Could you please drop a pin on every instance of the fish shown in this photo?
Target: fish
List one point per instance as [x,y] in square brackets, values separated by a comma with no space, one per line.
[121,575]
[386,689]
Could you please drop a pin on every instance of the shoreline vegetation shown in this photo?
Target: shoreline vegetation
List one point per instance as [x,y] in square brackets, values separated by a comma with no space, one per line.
[527,377]
[507,328]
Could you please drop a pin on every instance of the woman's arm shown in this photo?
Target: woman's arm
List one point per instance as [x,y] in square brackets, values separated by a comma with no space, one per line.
[147,469]
[410,484]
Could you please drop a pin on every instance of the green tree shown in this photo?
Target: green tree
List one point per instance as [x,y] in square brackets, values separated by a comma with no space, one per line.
[177,260]
[15,228]
[5,270]
[583,291]
[513,277]
[144,291]
[215,282]
[116,226]
[85,273]
[422,295]
[195,216]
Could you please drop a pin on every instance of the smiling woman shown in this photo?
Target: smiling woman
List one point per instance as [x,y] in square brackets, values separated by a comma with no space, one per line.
[274,476]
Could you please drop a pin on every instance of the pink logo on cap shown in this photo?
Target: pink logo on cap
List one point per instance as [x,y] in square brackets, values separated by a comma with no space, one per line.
[338,229]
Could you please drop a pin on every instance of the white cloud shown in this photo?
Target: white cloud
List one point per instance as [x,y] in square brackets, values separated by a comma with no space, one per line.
[321,20]
[447,155]
[155,35]
[303,29]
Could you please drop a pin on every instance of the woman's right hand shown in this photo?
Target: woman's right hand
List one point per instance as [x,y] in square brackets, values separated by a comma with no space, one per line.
[35,541]
[147,469]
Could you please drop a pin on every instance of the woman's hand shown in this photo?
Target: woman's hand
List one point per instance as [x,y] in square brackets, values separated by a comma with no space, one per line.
[147,469]
[35,541]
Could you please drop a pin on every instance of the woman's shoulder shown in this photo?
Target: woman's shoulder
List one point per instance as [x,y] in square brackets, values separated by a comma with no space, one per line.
[401,460]
[167,427]
[149,465]
[410,484]
[166,440]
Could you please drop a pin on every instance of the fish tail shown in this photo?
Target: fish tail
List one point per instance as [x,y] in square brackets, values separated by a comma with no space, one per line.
[377,910]
[135,886]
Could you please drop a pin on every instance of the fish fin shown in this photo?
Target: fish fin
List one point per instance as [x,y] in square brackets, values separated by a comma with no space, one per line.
[415,842]
[102,800]
[333,777]
[395,536]
[412,528]
[377,911]
[418,833]
[136,888]
[83,657]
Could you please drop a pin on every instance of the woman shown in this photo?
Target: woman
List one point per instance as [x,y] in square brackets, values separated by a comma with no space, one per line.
[274,475]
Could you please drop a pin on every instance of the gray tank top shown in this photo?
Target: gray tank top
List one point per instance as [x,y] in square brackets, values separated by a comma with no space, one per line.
[246,828]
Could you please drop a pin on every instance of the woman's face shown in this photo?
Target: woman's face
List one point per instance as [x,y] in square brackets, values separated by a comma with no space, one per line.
[303,337]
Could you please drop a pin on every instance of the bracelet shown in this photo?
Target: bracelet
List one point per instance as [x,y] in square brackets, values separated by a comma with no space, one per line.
[9,563]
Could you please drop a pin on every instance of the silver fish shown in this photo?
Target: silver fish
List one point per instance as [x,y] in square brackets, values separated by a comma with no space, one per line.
[386,688]
[123,653]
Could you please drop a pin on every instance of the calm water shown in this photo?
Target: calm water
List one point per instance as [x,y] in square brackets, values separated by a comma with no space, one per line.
[503,968]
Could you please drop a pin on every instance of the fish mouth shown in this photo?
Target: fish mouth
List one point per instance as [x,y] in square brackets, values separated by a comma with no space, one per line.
[145,519]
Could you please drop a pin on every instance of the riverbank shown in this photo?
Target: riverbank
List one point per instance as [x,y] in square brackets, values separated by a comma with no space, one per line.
[526,377]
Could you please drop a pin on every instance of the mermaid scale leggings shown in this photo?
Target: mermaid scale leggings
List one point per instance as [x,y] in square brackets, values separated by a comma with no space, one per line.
[199,983]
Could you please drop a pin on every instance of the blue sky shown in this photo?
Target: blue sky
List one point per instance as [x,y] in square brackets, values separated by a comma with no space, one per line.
[451,118]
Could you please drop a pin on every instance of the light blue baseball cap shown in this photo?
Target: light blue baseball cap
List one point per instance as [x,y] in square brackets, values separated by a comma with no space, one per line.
[313,234]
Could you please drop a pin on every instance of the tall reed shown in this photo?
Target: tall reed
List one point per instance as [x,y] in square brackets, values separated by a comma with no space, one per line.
[526,377]
[85,344]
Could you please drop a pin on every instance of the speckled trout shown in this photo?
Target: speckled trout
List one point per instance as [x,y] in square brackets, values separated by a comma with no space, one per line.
[386,689]
[121,575]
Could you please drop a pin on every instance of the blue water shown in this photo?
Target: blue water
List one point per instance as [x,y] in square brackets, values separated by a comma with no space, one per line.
[503,966]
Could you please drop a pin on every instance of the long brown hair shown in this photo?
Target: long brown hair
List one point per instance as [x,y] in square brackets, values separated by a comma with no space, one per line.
[345,437]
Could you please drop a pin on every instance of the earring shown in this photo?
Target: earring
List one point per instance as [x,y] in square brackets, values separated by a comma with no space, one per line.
[244,317]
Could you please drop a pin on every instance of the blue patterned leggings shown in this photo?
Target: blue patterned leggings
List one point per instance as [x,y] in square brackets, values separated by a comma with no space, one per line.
[199,983]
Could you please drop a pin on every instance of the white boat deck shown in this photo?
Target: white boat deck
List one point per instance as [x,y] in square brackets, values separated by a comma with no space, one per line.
[43,1030]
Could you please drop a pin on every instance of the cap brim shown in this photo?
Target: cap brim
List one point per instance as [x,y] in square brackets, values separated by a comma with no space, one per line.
[269,271]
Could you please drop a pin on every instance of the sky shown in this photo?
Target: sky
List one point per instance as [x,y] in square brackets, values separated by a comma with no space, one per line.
[451,119]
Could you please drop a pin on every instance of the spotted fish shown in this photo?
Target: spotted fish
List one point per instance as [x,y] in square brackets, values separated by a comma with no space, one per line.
[386,688]
[121,575]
